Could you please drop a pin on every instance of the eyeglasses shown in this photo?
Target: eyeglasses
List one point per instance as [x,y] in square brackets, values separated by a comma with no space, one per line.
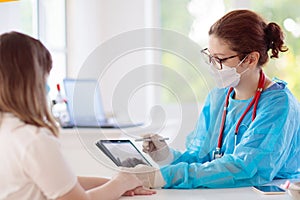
[216,62]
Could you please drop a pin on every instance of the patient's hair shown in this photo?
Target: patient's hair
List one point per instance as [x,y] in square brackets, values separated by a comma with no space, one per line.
[245,32]
[24,67]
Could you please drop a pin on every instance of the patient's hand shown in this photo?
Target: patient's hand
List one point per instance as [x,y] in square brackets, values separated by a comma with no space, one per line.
[139,191]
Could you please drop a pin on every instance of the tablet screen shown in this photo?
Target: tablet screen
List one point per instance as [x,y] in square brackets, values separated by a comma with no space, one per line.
[122,152]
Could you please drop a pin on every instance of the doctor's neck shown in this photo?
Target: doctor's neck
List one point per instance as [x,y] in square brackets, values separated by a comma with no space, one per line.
[247,86]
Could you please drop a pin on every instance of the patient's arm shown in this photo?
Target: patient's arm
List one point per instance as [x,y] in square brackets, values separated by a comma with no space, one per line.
[94,188]
[91,182]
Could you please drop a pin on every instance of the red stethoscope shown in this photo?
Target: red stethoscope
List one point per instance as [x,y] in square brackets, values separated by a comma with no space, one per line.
[261,83]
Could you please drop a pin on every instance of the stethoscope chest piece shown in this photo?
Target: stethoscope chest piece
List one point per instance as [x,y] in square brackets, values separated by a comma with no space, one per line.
[217,153]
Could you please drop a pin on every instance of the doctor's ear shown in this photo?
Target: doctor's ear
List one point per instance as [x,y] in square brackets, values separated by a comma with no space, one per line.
[253,58]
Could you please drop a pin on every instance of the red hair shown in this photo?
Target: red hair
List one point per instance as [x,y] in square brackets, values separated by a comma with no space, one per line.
[245,32]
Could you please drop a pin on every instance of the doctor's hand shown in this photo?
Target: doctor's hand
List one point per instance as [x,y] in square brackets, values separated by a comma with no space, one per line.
[130,184]
[150,177]
[157,149]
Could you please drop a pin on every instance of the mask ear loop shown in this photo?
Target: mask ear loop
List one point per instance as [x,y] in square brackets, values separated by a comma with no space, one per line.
[243,60]
[241,63]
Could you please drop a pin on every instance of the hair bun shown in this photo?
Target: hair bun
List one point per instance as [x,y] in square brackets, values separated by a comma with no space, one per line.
[271,32]
[274,39]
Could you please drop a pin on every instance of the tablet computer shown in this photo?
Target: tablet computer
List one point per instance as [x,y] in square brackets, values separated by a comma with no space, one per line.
[122,152]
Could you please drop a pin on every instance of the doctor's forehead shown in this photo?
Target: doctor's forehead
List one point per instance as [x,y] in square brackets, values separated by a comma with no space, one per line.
[218,46]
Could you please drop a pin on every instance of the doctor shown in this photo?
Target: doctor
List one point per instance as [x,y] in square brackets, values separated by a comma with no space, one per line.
[248,132]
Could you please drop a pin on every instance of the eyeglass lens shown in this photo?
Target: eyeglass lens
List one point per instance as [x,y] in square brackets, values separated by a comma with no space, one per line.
[211,60]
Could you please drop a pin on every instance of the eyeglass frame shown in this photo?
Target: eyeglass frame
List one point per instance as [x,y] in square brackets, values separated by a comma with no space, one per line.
[219,60]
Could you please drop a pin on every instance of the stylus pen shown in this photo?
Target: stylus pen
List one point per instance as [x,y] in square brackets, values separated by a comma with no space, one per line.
[149,140]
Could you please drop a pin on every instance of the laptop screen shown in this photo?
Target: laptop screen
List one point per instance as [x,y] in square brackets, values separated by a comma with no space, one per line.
[84,102]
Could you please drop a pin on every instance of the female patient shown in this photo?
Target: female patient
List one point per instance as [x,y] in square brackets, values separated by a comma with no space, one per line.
[31,162]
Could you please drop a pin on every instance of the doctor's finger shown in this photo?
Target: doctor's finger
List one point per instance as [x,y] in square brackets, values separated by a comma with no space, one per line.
[156,139]
[146,146]
[152,147]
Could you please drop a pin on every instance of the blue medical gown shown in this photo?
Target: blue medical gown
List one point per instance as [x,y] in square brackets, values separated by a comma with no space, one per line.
[267,148]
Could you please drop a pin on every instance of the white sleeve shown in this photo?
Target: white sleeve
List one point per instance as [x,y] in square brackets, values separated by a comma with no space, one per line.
[45,164]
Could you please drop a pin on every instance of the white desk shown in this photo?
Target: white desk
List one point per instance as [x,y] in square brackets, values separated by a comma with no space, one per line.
[210,194]
[84,164]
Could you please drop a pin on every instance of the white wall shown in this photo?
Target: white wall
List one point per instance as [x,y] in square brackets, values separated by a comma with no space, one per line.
[92,23]
[101,24]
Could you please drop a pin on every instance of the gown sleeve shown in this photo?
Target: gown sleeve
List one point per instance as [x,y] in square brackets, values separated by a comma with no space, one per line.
[197,138]
[260,154]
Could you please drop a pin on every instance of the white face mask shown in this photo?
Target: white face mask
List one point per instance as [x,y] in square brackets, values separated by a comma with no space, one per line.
[228,76]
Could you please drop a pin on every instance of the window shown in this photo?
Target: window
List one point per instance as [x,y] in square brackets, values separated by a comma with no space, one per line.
[44,20]
[193,19]
[19,16]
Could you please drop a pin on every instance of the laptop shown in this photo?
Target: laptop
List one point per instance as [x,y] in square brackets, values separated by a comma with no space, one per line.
[84,104]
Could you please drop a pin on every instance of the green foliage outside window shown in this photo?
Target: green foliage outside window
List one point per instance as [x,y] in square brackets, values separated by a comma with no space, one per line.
[175,16]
